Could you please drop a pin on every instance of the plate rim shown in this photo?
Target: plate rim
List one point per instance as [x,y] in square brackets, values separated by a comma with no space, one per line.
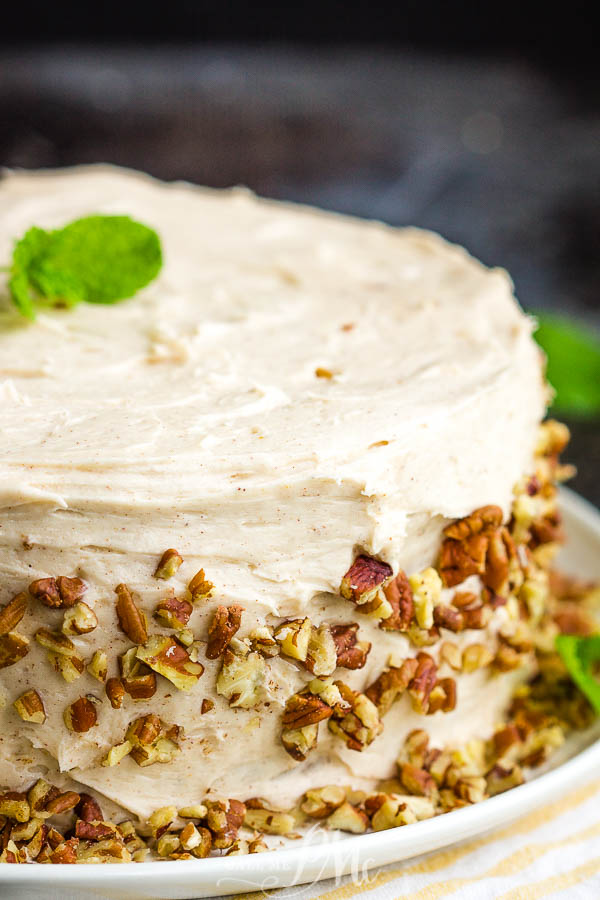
[315,861]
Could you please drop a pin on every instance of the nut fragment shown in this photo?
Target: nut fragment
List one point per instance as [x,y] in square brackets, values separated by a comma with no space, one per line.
[391,813]
[152,740]
[426,588]
[115,692]
[199,587]
[88,808]
[348,818]
[13,647]
[62,653]
[319,803]
[398,593]
[79,619]
[293,636]
[451,654]
[448,617]
[137,679]
[168,565]
[14,805]
[423,683]
[12,613]
[260,816]
[303,712]
[358,726]
[58,593]
[81,715]
[391,684]
[225,624]
[476,656]
[30,707]
[131,619]
[364,579]
[322,657]
[224,819]
[350,653]
[417,781]
[98,666]
[243,675]
[173,612]
[169,659]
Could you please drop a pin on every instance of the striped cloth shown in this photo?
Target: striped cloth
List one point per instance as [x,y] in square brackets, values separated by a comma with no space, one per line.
[553,852]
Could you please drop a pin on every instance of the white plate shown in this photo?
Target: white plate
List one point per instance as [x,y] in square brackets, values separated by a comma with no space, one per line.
[330,855]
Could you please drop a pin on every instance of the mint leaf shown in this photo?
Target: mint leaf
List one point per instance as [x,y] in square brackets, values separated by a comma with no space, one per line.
[98,259]
[581,656]
[573,364]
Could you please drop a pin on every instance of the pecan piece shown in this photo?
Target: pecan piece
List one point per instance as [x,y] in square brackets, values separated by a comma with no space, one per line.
[399,595]
[480,520]
[98,666]
[294,636]
[350,653]
[364,579]
[137,679]
[448,617]
[62,653]
[305,709]
[30,707]
[243,676]
[199,587]
[225,624]
[423,682]
[81,715]
[88,809]
[79,619]
[358,726]
[13,648]
[131,619]
[58,593]
[66,853]
[391,684]
[260,816]
[224,819]
[152,741]
[115,692]
[169,659]
[12,613]
[173,612]
[319,803]
[168,565]
[322,657]
[62,803]
[417,781]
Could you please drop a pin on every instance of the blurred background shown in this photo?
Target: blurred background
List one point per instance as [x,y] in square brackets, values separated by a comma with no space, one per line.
[481,121]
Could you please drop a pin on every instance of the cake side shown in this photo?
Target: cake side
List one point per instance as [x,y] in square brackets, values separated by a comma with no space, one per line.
[296,391]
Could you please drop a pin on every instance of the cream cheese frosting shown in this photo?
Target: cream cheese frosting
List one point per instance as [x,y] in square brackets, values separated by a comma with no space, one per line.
[294,387]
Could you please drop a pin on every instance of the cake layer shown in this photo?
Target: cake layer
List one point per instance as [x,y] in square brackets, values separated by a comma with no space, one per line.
[294,389]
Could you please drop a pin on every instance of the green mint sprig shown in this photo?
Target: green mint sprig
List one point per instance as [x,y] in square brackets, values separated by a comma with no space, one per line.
[581,656]
[573,365]
[97,259]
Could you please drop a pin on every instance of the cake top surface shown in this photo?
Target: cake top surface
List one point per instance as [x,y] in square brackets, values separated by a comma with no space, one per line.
[278,344]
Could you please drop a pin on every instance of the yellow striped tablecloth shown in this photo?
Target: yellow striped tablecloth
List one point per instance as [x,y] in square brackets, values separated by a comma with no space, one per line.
[552,852]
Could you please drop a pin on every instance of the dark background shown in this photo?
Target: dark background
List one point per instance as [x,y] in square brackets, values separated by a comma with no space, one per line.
[481,121]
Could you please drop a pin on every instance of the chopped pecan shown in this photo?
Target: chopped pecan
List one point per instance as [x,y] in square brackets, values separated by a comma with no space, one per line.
[12,613]
[224,819]
[173,612]
[80,715]
[293,636]
[423,682]
[399,595]
[98,666]
[62,803]
[199,587]
[426,588]
[79,619]
[364,579]
[171,660]
[15,805]
[459,559]
[448,617]
[206,706]
[500,779]
[451,654]
[417,781]
[131,619]
[30,707]
[137,679]
[360,725]
[390,684]
[260,816]
[319,803]
[115,692]
[464,599]
[305,709]
[58,593]
[263,641]
[88,808]
[152,741]
[13,647]
[348,818]
[476,656]
[243,675]
[168,565]
[322,657]
[350,653]
[572,619]
[391,812]
[225,624]
[443,696]
[62,653]
[477,617]
[94,831]
[481,519]
[66,853]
